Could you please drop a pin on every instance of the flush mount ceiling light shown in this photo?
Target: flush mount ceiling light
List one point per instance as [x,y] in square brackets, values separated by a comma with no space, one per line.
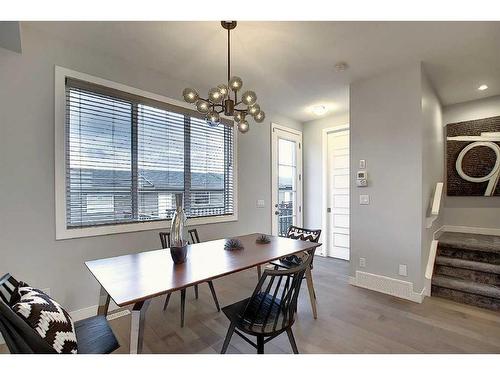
[482,87]
[319,109]
[341,66]
[224,97]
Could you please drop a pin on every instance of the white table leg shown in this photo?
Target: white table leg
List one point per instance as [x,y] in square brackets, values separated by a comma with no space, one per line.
[137,326]
[103,302]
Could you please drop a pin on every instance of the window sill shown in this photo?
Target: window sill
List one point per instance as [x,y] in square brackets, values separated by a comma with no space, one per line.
[65,233]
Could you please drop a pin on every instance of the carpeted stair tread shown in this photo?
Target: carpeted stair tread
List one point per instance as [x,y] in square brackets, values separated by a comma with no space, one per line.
[466,286]
[468,264]
[470,241]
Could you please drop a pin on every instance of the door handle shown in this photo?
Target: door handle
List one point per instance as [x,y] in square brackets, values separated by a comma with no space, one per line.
[276,212]
[329,209]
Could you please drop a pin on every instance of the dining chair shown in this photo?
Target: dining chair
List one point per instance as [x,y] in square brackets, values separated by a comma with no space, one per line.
[271,309]
[303,234]
[94,335]
[194,238]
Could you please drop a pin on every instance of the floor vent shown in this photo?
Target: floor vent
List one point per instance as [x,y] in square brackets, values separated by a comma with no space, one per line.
[118,314]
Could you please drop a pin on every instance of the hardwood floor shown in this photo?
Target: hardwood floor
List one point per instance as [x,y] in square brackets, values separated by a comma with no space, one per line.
[350,320]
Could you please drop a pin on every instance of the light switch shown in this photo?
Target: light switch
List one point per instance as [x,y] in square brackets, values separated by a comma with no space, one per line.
[364,199]
[362,164]
[260,203]
[402,270]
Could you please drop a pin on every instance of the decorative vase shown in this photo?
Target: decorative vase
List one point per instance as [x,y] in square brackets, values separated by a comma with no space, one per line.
[178,231]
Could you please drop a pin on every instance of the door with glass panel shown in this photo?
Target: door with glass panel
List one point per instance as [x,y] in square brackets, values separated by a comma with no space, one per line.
[286,205]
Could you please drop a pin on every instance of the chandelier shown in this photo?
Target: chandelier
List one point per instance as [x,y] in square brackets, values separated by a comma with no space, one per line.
[224,97]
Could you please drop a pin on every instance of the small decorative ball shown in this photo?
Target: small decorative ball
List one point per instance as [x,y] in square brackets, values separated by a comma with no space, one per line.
[263,239]
[190,95]
[254,109]
[202,106]
[243,126]
[235,83]
[233,244]
[249,97]
[239,116]
[215,95]
[224,90]
[259,117]
[212,119]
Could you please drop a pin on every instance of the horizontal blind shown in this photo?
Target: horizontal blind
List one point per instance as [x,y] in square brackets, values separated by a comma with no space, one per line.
[126,157]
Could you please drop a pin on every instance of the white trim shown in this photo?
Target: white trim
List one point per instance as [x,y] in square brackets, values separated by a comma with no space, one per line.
[387,285]
[323,250]
[474,230]
[62,232]
[87,312]
[436,205]
[275,129]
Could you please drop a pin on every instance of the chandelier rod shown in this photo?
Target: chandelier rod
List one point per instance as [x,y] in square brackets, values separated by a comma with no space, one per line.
[228,54]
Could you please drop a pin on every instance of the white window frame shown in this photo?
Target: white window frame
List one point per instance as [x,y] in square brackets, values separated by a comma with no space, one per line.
[62,231]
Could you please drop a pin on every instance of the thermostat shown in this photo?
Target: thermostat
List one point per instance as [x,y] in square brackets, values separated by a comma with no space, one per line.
[361,178]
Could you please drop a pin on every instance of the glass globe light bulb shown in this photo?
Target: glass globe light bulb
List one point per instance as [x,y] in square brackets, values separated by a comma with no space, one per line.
[224,90]
[212,119]
[249,97]
[238,117]
[254,109]
[243,126]
[259,117]
[235,83]
[202,106]
[190,95]
[214,95]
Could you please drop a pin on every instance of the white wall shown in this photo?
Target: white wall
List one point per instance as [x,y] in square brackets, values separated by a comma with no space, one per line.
[28,248]
[313,167]
[483,212]
[385,129]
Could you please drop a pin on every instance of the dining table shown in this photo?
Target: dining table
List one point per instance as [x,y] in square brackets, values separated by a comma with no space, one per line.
[135,279]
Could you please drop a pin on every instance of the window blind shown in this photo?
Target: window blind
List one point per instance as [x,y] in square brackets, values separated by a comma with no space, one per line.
[126,157]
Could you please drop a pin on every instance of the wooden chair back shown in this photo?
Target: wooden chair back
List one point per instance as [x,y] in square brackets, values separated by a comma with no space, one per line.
[272,307]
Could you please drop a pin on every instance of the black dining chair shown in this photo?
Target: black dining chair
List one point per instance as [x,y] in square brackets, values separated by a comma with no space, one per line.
[94,335]
[271,309]
[194,238]
[303,234]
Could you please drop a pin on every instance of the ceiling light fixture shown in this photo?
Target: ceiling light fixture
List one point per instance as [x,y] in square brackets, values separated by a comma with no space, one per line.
[219,98]
[482,87]
[319,109]
[341,66]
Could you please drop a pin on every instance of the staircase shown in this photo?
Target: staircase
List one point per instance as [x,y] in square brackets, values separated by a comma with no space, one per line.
[467,269]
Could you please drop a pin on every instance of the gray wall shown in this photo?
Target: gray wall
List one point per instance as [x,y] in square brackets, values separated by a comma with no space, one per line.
[432,160]
[483,212]
[385,129]
[313,167]
[28,248]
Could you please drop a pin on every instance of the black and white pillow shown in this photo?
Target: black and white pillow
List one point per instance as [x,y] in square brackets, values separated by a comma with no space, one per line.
[47,318]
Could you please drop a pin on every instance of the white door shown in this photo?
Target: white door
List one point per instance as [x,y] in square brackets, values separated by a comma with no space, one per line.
[286,179]
[338,194]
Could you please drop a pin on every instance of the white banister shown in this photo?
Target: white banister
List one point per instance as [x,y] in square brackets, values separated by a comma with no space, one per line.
[436,204]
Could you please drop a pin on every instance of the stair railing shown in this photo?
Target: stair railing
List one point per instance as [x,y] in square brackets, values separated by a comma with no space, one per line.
[436,204]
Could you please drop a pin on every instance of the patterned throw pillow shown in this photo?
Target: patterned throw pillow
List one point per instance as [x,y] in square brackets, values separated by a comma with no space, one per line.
[47,318]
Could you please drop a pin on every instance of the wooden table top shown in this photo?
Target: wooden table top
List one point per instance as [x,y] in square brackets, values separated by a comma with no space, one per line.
[137,277]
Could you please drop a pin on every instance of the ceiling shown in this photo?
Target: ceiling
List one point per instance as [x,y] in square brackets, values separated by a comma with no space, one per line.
[290,65]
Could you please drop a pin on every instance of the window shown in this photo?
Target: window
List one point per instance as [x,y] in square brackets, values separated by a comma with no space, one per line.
[126,156]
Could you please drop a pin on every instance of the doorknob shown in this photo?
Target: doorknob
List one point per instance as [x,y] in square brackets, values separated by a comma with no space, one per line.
[329,210]
[276,205]
[276,212]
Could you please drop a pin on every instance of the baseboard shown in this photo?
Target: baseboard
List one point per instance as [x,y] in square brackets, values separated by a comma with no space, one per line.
[87,312]
[475,230]
[387,285]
